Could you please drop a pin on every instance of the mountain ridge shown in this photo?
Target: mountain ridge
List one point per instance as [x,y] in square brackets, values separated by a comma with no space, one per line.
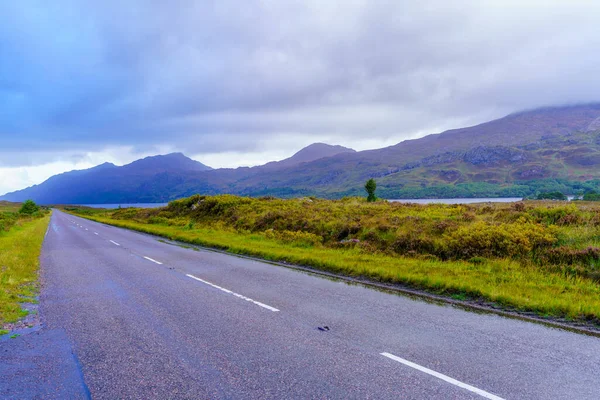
[312,152]
[158,167]
[170,161]
[513,155]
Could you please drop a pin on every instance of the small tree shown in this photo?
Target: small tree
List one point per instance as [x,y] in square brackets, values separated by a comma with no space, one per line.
[370,187]
[29,207]
[591,196]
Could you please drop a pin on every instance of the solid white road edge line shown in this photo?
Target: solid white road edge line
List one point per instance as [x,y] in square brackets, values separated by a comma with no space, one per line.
[113,242]
[233,293]
[153,260]
[443,377]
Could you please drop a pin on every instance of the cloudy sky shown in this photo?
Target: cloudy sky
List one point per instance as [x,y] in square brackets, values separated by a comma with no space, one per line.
[235,83]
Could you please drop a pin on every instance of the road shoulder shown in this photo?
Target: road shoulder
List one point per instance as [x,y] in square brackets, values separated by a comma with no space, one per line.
[40,365]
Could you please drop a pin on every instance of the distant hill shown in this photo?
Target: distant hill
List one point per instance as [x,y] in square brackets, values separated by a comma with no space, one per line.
[149,179]
[548,149]
[168,162]
[315,151]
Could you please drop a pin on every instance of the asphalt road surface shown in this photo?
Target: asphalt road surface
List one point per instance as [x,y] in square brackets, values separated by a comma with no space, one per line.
[125,315]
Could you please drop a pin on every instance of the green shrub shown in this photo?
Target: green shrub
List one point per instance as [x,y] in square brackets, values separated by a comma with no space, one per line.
[591,196]
[7,220]
[505,240]
[519,230]
[411,242]
[29,208]
[551,215]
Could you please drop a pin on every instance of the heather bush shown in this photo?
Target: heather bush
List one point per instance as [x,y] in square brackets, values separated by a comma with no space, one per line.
[505,240]
[444,226]
[518,206]
[7,220]
[551,215]
[468,217]
[569,219]
[347,230]
[408,242]
[589,256]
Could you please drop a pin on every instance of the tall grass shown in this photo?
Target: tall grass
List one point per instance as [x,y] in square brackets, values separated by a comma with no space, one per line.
[521,256]
[19,262]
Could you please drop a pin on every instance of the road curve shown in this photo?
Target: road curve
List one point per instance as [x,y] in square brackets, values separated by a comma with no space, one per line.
[146,319]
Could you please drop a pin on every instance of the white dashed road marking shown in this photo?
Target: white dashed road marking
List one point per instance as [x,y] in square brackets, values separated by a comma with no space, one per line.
[233,293]
[153,260]
[443,377]
[115,243]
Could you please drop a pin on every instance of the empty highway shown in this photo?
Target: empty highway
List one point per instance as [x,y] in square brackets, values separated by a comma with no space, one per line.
[129,316]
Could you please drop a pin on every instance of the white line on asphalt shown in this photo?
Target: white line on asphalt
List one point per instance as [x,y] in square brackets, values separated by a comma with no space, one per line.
[443,377]
[95,233]
[154,261]
[233,293]
[113,242]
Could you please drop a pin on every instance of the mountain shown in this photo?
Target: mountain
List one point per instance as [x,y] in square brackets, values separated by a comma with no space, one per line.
[315,151]
[482,160]
[517,155]
[168,162]
[138,181]
[554,148]
[514,130]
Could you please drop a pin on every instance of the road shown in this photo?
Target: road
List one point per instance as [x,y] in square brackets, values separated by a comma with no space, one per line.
[146,319]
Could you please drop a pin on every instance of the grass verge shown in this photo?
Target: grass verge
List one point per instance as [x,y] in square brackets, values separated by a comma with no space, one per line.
[20,249]
[502,281]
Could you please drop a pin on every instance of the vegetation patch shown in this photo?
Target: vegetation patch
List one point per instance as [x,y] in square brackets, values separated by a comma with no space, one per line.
[539,256]
[21,238]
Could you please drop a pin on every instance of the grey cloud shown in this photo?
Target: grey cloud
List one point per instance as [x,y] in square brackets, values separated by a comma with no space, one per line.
[220,76]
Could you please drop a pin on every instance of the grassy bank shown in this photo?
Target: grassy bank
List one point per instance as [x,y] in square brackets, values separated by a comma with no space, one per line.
[20,245]
[533,256]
